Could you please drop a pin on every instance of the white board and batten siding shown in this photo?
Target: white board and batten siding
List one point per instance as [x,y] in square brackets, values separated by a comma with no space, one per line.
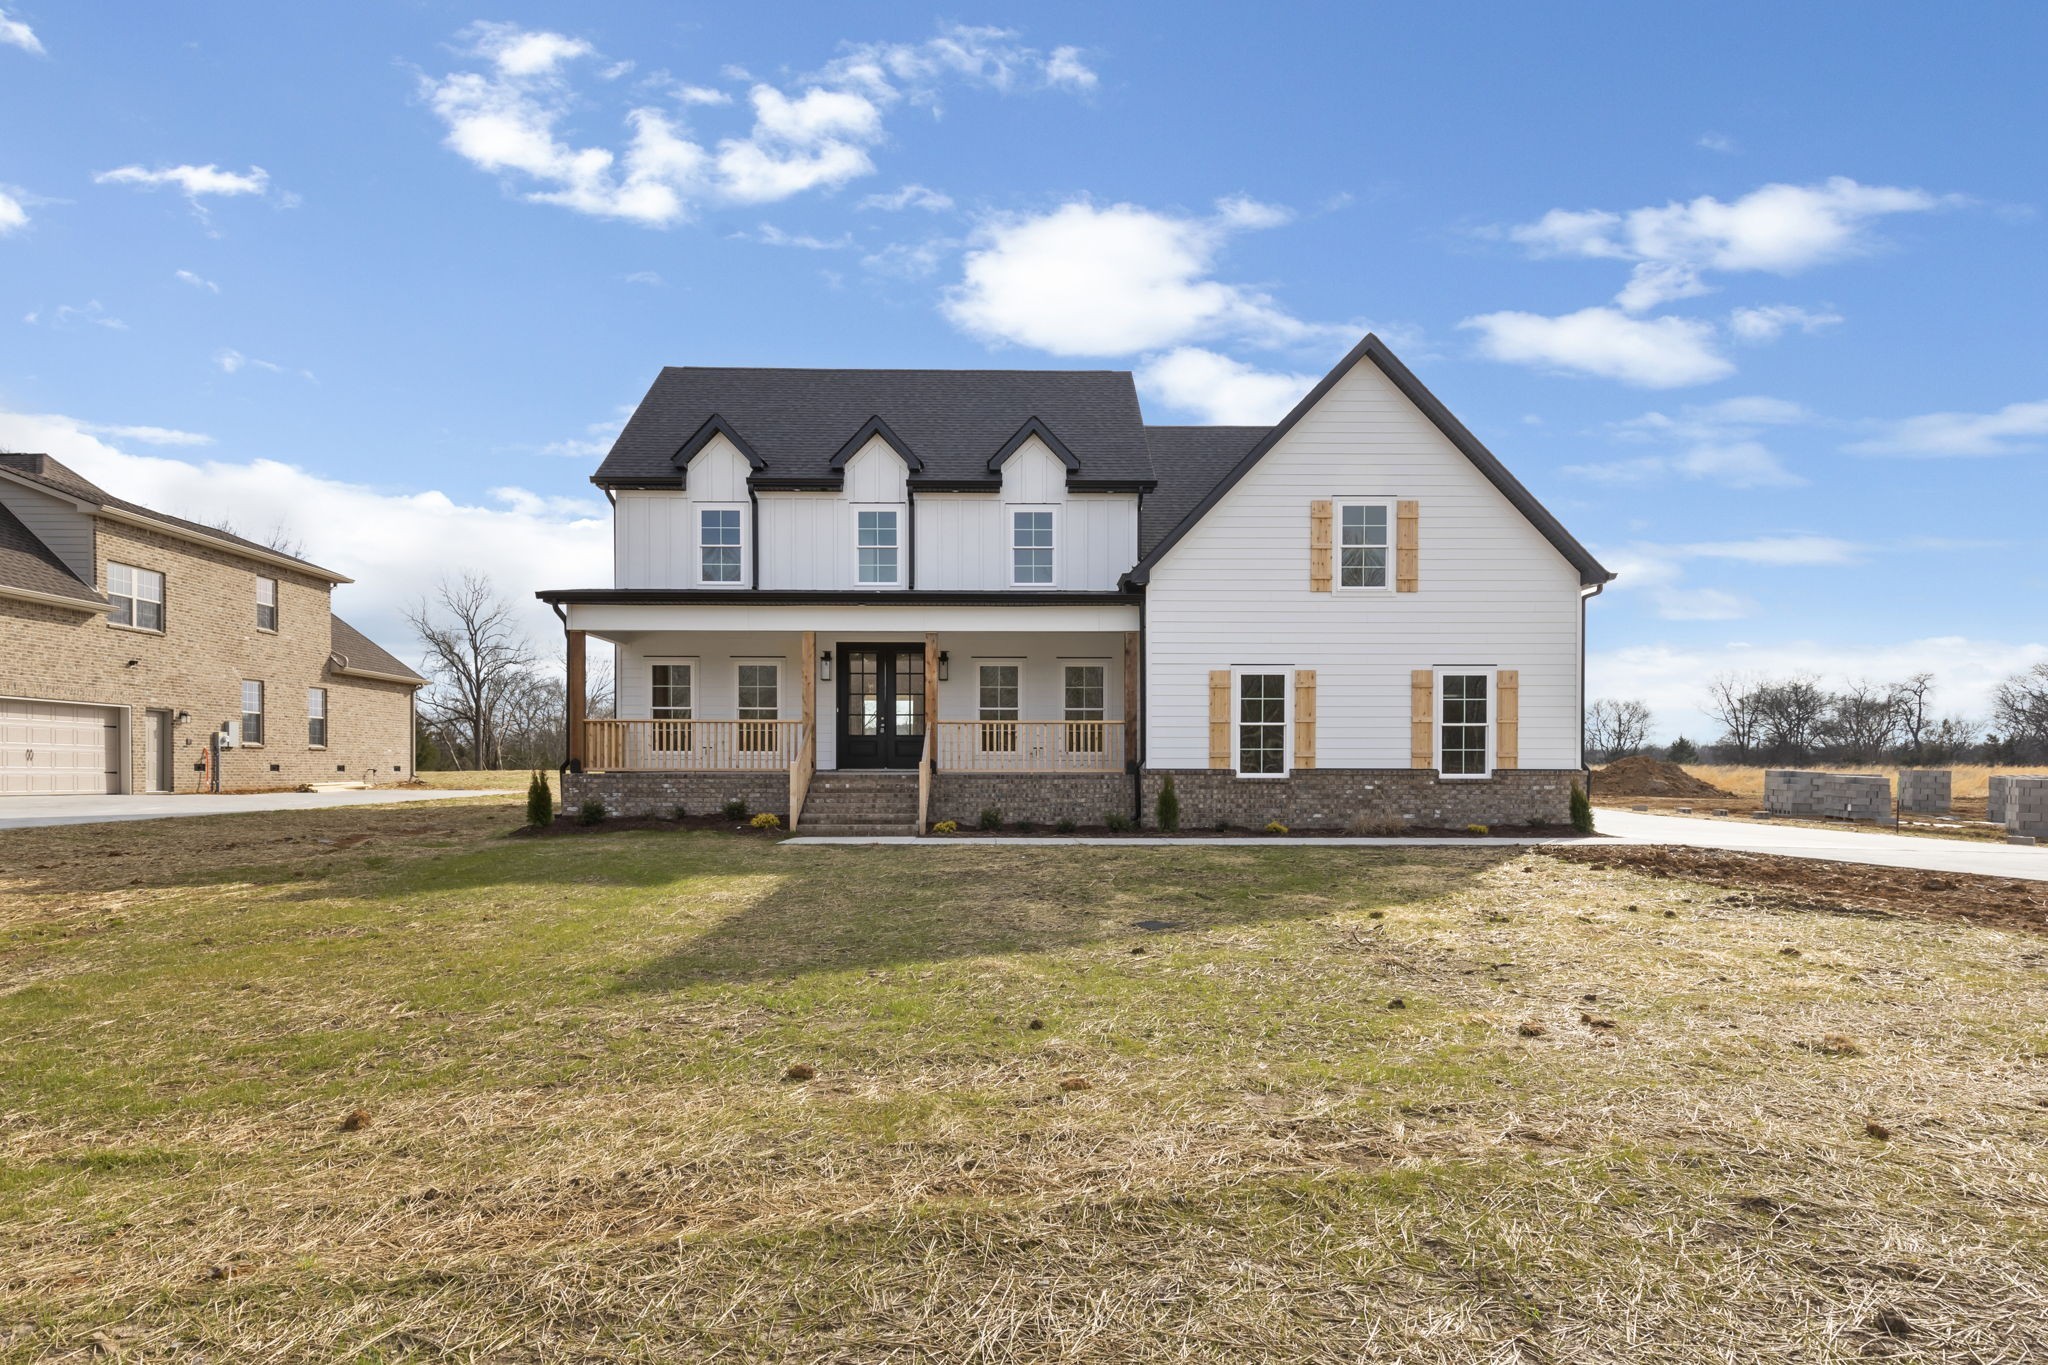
[1235,592]
[808,538]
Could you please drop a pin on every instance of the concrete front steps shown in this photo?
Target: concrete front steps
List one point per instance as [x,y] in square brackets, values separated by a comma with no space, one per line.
[860,804]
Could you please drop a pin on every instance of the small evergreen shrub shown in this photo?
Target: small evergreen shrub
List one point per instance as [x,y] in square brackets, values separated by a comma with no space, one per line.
[1683,750]
[540,802]
[946,827]
[679,813]
[590,813]
[1065,825]
[735,809]
[1169,808]
[1275,827]
[1116,821]
[1024,826]
[767,819]
[991,818]
[1582,810]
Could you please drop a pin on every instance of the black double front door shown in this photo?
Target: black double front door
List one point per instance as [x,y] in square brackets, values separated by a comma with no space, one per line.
[881,705]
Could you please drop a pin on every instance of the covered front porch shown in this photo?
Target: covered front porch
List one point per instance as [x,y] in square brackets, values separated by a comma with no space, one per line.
[742,691]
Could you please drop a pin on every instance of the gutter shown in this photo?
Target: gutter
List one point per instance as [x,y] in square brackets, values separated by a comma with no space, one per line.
[57,599]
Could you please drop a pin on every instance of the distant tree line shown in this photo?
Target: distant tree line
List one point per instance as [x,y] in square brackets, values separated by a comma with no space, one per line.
[1796,719]
[492,699]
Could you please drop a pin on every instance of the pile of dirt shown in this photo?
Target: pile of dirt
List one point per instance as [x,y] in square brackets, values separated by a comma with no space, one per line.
[1646,776]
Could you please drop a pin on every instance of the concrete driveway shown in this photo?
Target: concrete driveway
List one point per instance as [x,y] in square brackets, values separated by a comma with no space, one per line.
[1834,846]
[28,812]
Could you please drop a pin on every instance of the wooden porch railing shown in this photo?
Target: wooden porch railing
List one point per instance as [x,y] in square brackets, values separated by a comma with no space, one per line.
[1031,746]
[800,771]
[653,746]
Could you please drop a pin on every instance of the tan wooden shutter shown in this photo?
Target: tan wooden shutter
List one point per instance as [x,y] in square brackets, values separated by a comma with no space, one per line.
[1304,718]
[1408,546]
[1507,710]
[1319,545]
[1422,718]
[1219,718]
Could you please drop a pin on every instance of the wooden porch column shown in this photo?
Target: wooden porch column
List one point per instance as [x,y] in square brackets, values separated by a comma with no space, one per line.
[810,690]
[931,684]
[577,699]
[1134,729]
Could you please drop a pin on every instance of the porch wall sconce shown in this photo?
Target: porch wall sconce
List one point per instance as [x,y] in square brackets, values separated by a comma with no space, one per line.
[945,666]
[825,666]
[183,716]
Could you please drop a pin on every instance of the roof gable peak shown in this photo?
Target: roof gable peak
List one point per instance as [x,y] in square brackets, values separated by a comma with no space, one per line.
[715,426]
[871,429]
[1033,427]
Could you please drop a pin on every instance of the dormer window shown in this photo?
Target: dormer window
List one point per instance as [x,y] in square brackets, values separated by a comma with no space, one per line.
[720,545]
[1031,547]
[878,547]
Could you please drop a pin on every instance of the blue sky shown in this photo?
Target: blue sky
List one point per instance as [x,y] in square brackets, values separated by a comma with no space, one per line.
[1755,305]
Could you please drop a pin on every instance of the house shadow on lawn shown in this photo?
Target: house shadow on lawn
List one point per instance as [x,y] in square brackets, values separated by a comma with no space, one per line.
[855,909]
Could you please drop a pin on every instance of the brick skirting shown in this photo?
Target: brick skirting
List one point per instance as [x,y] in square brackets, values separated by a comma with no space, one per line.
[1341,798]
[660,793]
[1042,798]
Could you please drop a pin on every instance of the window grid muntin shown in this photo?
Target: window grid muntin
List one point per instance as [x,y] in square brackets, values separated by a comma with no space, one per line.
[252,712]
[760,689]
[1031,547]
[266,604]
[1085,690]
[1464,720]
[671,701]
[1001,693]
[137,595]
[1365,543]
[1262,723]
[316,717]
[719,543]
[876,535]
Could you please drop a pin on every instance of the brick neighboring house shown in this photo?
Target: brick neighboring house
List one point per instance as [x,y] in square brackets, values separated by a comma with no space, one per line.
[130,640]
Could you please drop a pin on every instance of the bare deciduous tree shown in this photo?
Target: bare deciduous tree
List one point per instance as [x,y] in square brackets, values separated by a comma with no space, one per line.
[2020,711]
[1617,729]
[1864,720]
[477,656]
[1732,701]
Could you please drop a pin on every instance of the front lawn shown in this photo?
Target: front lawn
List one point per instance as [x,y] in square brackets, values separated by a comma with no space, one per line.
[381,1084]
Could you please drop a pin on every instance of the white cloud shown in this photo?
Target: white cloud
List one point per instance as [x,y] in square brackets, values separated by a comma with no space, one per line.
[1065,68]
[912,196]
[507,120]
[152,436]
[193,181]
[232,361]
[771,235]
[596,441]
[1717,142]
[1769,322]
[1702,604]
[1082,280]
[911,260]
[1779,551]
[12,214]
[14,33]
[1219,389]
[1243,212]
[197,281]
[1656,353]
[2017,428]
[647,277]
[1715,442]
[89,314]
[395,543]
[1658,571]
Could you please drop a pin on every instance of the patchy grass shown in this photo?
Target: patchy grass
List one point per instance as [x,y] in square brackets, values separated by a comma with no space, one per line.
[497,779]
[381,1084]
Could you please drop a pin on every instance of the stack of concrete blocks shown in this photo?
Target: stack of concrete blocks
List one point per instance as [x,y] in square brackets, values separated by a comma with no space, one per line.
[2026,807]
[1925,791]
[1828,796]
[1994,802]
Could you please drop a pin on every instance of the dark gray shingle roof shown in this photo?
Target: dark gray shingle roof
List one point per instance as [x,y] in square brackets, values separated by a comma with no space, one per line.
[353,649]
[27,563]
[1188,462]
[795,421]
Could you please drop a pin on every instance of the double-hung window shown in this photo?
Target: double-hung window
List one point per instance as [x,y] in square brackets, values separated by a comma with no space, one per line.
[877,544]
[1084,697]
[1464,722]
[1365,544]
[316,717]
[1262,722]
[1001,696]
[672,697]
[266,604]
[720,545]
[252,713]
[137,595]
[1031,547]
[760,686]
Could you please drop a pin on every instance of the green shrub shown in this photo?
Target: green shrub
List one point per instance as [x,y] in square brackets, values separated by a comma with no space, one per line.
[991,818]
[679,813]
[1481,830]
[767,819]
[1582,810]
[1275,827]
[1169,808]
[1116,821]
[590,813]
[946,827]
[735,809]
[1683,750]
[540,802]
[1065,825]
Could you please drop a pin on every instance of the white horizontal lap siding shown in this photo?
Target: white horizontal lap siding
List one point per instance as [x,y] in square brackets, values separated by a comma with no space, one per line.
[1235,590]
[1042,658]
[717,655]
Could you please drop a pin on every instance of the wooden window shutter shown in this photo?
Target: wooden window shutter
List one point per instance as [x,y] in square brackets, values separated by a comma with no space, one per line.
[1219,718]
[1507,726]
[1408,546]
[1422,718]
[1319,545]
[1304,718]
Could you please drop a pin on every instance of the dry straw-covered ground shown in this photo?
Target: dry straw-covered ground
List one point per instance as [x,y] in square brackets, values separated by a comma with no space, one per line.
[383,1085]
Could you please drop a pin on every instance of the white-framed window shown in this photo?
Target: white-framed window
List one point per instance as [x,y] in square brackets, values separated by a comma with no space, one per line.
[999,704]
[721,544]
[1365,544]
[266,604]
[1084,699]
[1464,721]
[316,717]
[1031,546]
[672,699]
[760,705]
[878,549]
[137,595]
[1261,700]
[252,712]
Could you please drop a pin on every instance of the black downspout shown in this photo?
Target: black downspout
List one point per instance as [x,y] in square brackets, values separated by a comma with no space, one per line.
[1134,730]
[910,554]
[564,768]
[754,537]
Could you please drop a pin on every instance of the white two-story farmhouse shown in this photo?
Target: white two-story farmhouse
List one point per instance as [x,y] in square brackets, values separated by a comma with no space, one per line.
[876,599]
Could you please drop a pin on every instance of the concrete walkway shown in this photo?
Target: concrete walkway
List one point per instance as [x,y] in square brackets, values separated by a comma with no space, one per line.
[1629,827]
[30,812]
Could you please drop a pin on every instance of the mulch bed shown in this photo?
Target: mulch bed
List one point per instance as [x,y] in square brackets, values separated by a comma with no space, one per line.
[568,825]
[1141,835]
[1802,883]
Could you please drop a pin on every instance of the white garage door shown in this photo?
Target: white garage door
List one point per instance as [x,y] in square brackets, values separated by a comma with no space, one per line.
[50,748]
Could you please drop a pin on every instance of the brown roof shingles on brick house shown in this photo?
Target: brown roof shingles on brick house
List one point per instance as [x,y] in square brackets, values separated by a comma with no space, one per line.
[355,652]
